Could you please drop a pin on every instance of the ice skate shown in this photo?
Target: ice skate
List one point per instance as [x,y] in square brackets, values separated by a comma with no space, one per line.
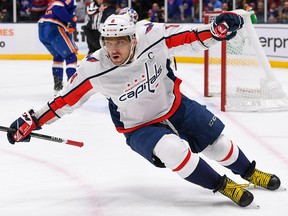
[236,192]
[262,179]
[58,85]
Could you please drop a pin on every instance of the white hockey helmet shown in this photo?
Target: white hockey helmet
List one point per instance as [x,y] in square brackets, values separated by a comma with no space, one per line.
[118,26]
[131,12]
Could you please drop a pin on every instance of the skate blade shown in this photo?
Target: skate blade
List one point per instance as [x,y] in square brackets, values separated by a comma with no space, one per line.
[254,205]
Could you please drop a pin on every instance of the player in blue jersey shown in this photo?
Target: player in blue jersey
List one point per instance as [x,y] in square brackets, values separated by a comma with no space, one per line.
[133,71]
[55,32]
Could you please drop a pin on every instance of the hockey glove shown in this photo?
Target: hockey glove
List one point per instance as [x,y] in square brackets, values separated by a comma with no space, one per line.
[22,127]
[226,25]
[71,26]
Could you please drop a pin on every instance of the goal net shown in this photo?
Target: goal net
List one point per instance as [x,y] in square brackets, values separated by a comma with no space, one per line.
[238,71]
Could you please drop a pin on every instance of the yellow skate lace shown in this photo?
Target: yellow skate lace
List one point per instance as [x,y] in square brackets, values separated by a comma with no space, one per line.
[233,190]
[260,178]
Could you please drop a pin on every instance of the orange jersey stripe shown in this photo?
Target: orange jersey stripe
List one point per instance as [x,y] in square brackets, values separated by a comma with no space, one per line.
[67,40]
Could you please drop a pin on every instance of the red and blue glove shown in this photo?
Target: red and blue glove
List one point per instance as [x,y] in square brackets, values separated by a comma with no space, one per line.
[226,25]
[22,127]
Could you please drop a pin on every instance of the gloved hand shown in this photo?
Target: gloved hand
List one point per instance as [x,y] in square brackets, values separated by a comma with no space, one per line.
[23,126]
[72,25]
[226,25]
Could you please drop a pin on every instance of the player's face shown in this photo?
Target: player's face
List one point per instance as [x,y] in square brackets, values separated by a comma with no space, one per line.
[118,49]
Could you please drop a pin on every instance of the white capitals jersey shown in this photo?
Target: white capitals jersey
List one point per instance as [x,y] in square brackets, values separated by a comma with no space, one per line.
[140,93]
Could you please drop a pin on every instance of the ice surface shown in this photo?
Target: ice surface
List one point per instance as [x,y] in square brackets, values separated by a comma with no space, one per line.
[106,178]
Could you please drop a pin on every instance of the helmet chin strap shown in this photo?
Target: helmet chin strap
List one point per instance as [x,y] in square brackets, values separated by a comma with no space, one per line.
[131,53]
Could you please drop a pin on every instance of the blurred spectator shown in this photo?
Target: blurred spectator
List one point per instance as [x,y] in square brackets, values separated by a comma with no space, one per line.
[150,16]
[121,4]
[196,10]
[240,4]
[252,4]
[229,3]
[175,11]
[37,9]
[188,10]
[111,9]
[6,10]
[208,7]
[281,6]
[225,7]
[80,11]
[156,14]
[142,7]
[260,12]
[25,14]
[213,5]
[277,2]
[178,10]
[273,13]
[283,17]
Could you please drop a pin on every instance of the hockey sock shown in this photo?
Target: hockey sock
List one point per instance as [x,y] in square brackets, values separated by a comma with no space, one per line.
[241,165]
[57,70]
[229,155]
[71,63]
[70,71]
[204,175]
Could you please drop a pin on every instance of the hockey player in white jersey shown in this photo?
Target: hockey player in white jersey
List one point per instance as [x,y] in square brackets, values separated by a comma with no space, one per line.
[132,70]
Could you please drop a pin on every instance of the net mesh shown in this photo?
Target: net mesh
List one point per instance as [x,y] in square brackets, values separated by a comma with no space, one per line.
[250,83]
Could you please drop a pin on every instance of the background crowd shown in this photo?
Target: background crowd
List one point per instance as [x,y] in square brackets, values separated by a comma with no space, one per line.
[152,10]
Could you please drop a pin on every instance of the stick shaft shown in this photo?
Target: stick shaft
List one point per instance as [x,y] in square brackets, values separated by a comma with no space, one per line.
[46,137]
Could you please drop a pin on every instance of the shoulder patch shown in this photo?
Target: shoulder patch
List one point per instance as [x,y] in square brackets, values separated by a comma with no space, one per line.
[149,27]
[90,58]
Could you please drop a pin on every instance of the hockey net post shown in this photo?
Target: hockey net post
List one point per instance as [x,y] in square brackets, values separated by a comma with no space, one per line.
[241,74]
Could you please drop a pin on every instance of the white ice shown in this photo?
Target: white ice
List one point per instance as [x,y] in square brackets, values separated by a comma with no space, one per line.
[105,177]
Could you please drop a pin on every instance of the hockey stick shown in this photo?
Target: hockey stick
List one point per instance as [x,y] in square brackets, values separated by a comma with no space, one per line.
[47,137]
